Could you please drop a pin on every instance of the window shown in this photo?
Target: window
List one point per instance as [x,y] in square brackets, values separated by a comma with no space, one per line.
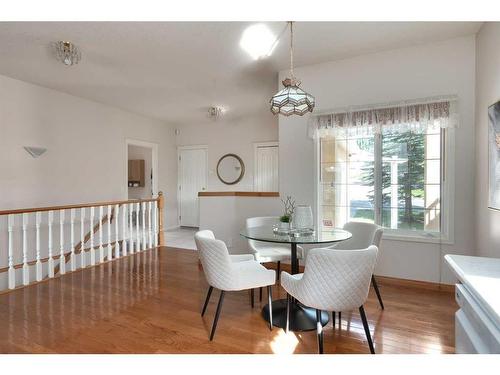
[392,177]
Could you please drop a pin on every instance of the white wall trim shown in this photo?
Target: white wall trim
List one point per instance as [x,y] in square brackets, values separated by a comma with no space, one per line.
[256,146]
[191,147]
[154,161]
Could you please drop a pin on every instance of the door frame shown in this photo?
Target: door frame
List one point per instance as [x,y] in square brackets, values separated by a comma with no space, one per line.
[179,149]
[154,161]
[256,146]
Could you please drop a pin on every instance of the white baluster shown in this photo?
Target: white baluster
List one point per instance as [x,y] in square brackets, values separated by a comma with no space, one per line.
[83,264]
[117,231]
[130,228]
[110,249]
[150,234]
[39,272]
[12,270]
[62,260]
[92,250]
[144,245]
[101,249]
[155,223]
[26,270]
[50,261]
[124,230]
[138,227]
[72,238]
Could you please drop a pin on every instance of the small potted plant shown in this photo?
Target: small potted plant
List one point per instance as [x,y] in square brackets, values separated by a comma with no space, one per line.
[286,218]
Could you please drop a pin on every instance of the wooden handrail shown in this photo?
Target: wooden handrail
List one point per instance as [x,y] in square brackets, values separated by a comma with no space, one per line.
[68,207]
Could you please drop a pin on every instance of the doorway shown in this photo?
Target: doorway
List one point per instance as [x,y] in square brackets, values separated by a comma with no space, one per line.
[192,177]
[142,169]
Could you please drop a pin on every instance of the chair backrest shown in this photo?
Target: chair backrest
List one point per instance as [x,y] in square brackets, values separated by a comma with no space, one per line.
[215,260]
[338,280]
[259,222]
[363,235]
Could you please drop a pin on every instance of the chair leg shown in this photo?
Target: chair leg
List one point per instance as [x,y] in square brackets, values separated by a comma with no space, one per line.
[319,331]
[217,313]
[251,298]
[287,327]
[340,321]
[260,294]
[334,316]
[207,300]
[367,329]
[279,271]
[375,286]
[270,298]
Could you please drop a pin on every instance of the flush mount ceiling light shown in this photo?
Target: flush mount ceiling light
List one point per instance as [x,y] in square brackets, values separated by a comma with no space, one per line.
[67,53]
[292,99]
[216,112]
[258,41]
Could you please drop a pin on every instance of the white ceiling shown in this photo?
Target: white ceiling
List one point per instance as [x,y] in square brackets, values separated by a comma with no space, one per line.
[174,71]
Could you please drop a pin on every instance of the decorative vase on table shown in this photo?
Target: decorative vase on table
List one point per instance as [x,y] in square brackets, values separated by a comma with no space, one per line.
[303,217]
[284,224]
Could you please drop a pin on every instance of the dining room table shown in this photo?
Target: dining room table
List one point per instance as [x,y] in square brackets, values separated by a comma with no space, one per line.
[302,318]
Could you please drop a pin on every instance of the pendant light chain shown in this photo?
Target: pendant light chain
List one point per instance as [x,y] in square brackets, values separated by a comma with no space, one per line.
[291,50]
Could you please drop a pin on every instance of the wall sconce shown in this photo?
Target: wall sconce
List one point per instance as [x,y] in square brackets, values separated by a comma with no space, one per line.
[35,152]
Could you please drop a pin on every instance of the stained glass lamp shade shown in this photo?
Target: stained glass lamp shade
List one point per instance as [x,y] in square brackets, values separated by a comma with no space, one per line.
[292,100]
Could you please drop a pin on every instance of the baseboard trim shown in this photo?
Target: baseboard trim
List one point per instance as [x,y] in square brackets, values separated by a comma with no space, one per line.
[173,227]
[386,280]
[428,285]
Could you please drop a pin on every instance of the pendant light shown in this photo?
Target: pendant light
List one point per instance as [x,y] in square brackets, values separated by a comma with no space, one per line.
[292,99]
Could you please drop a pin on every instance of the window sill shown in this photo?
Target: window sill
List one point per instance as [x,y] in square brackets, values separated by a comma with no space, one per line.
[423,238]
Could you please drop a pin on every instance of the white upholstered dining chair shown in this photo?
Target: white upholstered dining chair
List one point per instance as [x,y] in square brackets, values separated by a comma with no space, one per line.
[333,280]
[230,272]
[363,235]
[265,252]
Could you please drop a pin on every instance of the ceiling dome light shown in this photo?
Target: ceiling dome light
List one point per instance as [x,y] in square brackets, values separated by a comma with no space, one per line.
[216,112]
[258,41]
[292,99]
[67,53]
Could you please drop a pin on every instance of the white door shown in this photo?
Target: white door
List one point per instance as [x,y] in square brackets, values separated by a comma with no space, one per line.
[192,179]
[267,163]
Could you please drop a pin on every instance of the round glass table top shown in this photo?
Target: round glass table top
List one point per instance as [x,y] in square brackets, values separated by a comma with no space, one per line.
[266,234]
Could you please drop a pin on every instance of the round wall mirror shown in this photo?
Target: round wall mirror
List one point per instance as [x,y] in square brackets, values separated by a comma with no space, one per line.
[230,169]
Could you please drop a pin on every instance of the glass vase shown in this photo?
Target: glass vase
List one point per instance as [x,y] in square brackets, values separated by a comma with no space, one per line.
[303,217]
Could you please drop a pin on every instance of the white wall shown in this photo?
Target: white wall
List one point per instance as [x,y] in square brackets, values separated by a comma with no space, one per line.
[146,154]
[86,151]
[226,216]
[487,92]
[235,136]
[427,70]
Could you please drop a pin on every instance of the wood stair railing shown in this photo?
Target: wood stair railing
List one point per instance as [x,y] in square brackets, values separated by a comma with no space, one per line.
[123,237]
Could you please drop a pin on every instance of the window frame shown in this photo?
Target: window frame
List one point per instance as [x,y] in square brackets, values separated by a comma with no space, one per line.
[447,157]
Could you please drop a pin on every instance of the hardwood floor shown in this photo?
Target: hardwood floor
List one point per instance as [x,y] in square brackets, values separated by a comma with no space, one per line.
[150,303]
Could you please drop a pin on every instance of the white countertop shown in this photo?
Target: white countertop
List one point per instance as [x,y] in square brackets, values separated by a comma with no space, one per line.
[481,276]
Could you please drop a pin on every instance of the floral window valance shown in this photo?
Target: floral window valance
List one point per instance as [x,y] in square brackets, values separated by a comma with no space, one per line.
[415,116]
